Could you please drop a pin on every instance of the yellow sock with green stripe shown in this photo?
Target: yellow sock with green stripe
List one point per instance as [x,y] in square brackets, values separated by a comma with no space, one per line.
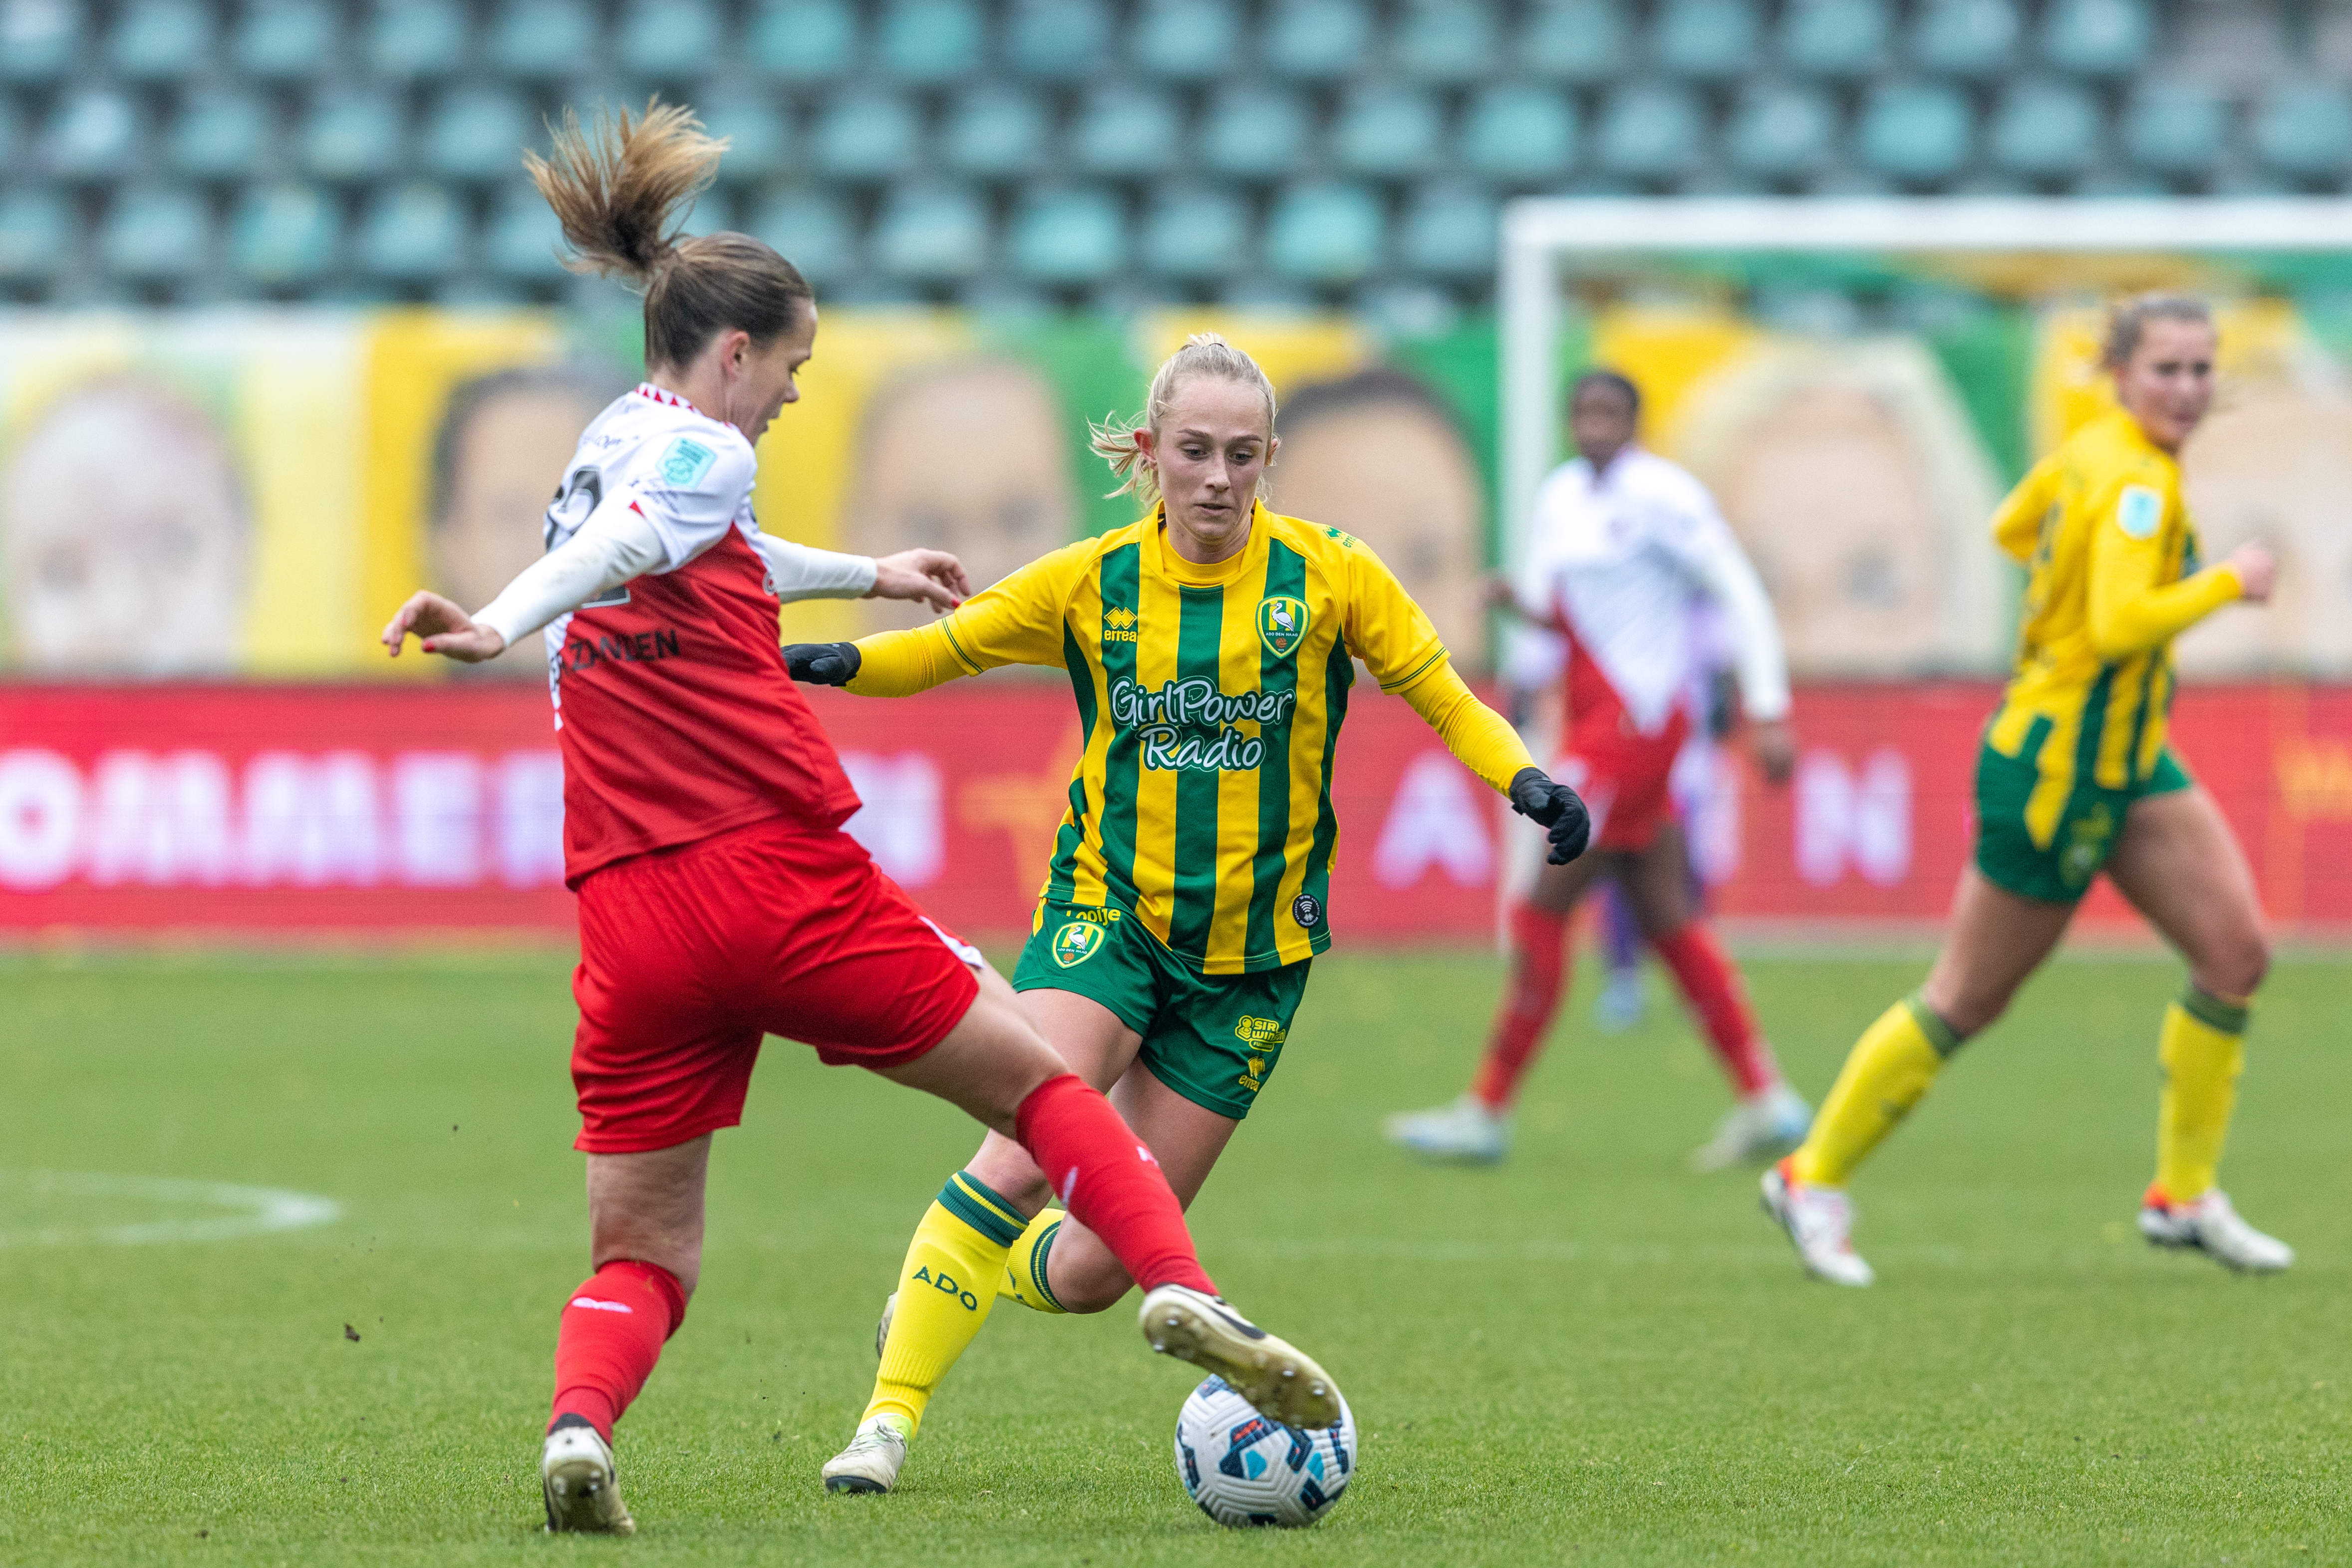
[1889,1069]
[945,1288]
[2203,1049]
[1025,1267]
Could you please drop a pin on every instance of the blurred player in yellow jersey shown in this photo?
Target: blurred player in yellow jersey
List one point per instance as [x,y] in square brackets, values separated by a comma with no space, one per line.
[1211,649]
[2075,776]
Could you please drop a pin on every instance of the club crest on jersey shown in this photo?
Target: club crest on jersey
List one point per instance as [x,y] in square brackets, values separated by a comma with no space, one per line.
[1282,623]
[685,463]
[1119,624]
[1075,943]
[2138,511]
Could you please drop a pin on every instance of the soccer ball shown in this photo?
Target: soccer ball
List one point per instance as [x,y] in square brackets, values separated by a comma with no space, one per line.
[1244,1469]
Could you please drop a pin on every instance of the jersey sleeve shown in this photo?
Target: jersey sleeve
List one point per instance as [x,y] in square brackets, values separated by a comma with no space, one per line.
[1701,543]
[1015,621]
[1383,625]
[1482,739]
[2130,610]
[690,486]
[2017,521]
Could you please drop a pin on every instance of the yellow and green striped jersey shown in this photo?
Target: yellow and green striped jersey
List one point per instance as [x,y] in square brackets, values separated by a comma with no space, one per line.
[1210,700]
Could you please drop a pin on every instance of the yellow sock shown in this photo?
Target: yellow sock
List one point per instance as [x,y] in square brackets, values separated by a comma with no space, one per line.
[2203,1049]
[945,1288]
[1883,1077]
[1025,1267]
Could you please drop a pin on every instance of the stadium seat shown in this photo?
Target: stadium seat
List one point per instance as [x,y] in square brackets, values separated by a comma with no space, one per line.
[543,40]
[352,136]
[1518,134]
[1185,40]
[812,230]
[803,41]
[37,234]
[1058,40]
[1651,132]
[1706,40]
[219,135]
[994,133]
[1836,39]
[1316,40]
[931,233]
[281,236]
[1067,239]
[477,133]
[931,42]
[92,135]
[1254,132]
[154,234]
[12,134]
[1387,133]
[1575,41]
[1977,39]
[160,40]
[2097,38]
[2303,131]
[2179,129]
[1324,233]
[520,241]
[670,41]
[1194,235]
[418,40]
[759,141]
[1781,134]
[867,135]
[287,40]
[1452,231]
[1125,132]
[1451,41]
[2045,131]
[413,233]
[40,41]
[1919,133]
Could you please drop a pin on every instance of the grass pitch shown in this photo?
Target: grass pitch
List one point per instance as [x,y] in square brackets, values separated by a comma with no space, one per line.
[1590,1355]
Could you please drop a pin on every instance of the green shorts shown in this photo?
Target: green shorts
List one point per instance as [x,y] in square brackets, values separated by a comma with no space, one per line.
[2061,871]
[1212,1038]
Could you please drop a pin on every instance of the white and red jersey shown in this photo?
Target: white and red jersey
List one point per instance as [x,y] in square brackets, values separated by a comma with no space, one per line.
[676,716]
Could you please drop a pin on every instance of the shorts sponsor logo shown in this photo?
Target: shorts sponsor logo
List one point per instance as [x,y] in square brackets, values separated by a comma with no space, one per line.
[2138,511]
[1253,1079]
[1306,911]
[1077,941]
[1119,624]
[1281,624]
[1260,1031]
[685,463]
[2086,845]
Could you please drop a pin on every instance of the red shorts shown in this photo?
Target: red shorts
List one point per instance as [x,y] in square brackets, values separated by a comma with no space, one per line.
[690,956]
[1623,775]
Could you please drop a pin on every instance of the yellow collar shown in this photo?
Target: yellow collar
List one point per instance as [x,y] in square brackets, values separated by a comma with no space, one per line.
[1166,564]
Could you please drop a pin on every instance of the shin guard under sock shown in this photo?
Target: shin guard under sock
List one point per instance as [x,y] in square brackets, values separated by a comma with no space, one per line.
[2203,1049]
[1539,966]
[1711,986]
[1109,1182]
[946,1287]
[1883,1077]
[612,1330]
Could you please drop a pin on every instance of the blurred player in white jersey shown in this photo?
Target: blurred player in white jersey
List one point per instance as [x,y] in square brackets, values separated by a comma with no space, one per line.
[1628,562]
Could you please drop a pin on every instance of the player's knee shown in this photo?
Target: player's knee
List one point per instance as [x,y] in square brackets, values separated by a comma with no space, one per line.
[1097,1287]
[2235,968]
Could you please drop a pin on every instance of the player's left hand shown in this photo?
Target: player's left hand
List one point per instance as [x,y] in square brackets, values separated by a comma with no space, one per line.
[1557,809]
[1774,742]
[931,577]
[442,628]
[822,663]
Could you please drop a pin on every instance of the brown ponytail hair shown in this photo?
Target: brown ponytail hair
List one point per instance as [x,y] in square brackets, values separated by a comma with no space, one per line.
[620,187]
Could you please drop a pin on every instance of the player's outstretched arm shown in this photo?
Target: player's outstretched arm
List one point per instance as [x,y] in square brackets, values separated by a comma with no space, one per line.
[1557,809]
[440,626]
[1486,743]
[931,577]
[617,542]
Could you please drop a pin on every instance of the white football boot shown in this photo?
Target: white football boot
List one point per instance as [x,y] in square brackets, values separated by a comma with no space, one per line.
[1279,1380]
[2212,1225]
[873,1459]
[1465,1130]
[1766,1125]
[1820,1221]
[575,1472]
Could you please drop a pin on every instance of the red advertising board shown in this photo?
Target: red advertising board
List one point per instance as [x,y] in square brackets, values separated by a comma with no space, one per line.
[355,809]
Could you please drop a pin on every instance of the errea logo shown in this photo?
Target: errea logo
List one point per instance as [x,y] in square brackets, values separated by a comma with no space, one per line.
[1120,623]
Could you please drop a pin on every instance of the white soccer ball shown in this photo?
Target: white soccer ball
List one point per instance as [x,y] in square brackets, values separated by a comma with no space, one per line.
[1244,1469]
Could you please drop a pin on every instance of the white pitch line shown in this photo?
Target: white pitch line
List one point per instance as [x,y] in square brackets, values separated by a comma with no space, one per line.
[255,1211]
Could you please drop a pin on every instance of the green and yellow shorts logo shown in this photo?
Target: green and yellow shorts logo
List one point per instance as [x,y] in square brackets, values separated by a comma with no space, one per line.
[1075,943]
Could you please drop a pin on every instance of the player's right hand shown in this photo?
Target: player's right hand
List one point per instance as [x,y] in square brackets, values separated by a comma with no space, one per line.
[2257,572]
[1559,810]
[440,626]
[823,663]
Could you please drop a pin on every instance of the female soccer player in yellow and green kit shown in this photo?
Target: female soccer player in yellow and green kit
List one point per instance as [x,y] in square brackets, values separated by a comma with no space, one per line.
[2075,776]
[1211,648]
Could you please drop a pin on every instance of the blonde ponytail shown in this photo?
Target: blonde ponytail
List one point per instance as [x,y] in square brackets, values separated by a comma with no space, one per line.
[1203,354]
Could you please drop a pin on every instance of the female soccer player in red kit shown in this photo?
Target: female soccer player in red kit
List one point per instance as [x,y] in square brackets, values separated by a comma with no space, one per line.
[720,900]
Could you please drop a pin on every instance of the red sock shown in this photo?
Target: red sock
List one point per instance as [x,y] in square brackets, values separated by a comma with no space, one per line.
[1538,975]
[1712,987]
[611,1334]
[1110,1181]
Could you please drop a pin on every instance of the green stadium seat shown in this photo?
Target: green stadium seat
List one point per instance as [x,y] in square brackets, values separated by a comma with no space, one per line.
[1518,134]
[1068,238]
[155,233]
[1581,42]
[543,40]
[40,41]
[1706,40]
[2097,38]
[1058,40]
[995,132]
[162,40]
[220,134]
[520,241]
[1916,133]
[93,135]
[1185,40]
[287,40]
[285,235]
[1841,40]
[1316,40]
[477,133]
[1976,39]
[1387,133]
[36,235]
[1781,134]
[1652,132]
[1125,132]
[2302,132]
[418,40]
[2179,129]
[931,42]
[804,42]
[12,134]
[1449,41]
[1324,233]
[1452,231]
[1254,132]
[758,139]
[670,41]
[867,135]
[810,230]
[413,233]
[1196,235]
[931,234]
[352,136]
[2045,131]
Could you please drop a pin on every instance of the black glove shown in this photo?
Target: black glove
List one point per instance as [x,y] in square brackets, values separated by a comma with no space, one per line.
[1557,809]
[823,663]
